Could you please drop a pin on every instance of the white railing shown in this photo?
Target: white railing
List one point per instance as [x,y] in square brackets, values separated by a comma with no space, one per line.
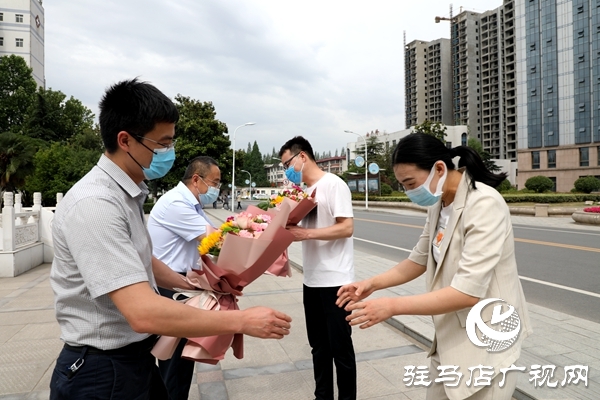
[19,226]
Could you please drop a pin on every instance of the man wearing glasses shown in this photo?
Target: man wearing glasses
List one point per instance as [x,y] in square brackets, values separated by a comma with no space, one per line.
[328,262]
[104,276]
[177,224]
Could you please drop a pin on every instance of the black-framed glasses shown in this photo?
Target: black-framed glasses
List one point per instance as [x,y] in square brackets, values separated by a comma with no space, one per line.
[166,147]
[214,184]
[286,164]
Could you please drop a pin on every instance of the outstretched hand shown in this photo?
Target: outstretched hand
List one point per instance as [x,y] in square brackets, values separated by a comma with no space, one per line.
[354,292]
[265,323]
[369,313]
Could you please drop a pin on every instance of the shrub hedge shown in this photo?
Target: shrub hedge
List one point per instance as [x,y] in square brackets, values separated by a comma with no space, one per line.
[508,197]
[550,197]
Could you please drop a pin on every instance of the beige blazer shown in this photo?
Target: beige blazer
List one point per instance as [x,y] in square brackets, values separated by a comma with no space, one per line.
[477,257]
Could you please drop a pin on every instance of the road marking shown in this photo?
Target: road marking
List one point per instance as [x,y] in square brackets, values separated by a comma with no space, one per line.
[560,286]
[556,230]
[389,223]
[382,244]
[564,246]
[530,241]
[585,292]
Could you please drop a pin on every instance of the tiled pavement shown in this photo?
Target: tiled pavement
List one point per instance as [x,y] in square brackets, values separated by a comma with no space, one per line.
[281,369]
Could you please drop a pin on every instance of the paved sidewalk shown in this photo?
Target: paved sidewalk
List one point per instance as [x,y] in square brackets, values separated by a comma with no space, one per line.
[281,369]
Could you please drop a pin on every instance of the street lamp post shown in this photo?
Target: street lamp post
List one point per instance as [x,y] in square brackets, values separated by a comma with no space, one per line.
[250,185]
[233,169]
[366,170]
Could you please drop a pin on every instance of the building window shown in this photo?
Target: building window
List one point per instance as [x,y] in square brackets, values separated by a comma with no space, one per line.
[18,17]
[551,158]
[584,156]
[19,42]
[535,160]
[1,16]
[1,41]
[598,155]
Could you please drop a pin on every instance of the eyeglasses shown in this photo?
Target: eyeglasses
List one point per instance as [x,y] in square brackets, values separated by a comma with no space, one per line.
[216,185]
[286,164]
[165,147]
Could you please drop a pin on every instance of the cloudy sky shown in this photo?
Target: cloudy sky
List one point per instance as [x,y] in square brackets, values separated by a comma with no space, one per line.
[311,68]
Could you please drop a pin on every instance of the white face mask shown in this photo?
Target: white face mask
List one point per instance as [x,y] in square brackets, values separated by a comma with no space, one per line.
[422,195]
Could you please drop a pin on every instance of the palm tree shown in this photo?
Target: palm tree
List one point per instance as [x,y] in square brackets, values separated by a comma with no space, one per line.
[17,154]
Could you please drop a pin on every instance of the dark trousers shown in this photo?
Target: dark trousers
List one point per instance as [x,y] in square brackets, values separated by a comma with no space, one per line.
[176,372]
[107,376]
[239,207]
[329,336]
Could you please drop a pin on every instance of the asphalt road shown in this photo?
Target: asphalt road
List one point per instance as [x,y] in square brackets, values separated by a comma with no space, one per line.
[567,258]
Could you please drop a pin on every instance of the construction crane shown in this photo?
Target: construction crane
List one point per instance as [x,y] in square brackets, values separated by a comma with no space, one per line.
[438,19]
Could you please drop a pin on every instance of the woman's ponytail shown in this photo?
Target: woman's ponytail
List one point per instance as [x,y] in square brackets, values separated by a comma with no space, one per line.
[476,169]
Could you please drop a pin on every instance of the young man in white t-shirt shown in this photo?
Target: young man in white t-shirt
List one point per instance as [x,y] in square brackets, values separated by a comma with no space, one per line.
[328,262]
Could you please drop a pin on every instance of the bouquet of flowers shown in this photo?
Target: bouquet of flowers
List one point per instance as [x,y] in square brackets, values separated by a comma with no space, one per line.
[244,224]
[298,200]
[242,249]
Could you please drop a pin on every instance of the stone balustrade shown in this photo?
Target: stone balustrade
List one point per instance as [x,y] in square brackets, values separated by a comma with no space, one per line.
[25,234]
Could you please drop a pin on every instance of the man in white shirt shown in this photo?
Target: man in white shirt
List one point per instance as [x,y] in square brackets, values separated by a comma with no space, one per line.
[328,263]
[176,225]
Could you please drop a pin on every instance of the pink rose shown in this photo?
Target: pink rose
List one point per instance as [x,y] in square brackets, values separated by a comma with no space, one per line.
[243,222]
[246,234]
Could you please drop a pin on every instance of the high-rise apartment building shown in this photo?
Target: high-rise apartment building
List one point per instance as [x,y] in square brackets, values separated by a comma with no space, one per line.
[558,80]
[480,76]
[22,33]
[428,82]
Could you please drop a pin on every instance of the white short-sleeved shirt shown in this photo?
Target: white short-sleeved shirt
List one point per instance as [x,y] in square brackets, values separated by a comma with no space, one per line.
[176,220]
[100,245]
[328,263]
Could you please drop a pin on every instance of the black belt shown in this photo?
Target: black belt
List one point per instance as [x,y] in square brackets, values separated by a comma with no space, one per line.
[131,349]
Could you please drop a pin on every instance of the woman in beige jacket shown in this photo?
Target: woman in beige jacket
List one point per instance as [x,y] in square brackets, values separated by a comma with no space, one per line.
[466,251]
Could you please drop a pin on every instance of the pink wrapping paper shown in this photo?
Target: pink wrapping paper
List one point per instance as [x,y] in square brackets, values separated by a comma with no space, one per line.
[281,266]
[166,345]
[300,209]
[241,261]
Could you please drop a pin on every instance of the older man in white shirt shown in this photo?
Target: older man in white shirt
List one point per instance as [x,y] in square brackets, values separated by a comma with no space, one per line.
[176,225]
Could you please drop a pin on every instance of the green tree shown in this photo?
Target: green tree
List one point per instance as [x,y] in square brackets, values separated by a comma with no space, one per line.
[485,156]
[436,129]
[254,164]
[17,88]
[198,133]
[54,119]
[539,184]
[587,184]
[17,154]
[58,167]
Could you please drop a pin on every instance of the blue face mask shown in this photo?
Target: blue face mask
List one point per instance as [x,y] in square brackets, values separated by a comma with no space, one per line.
[422,195]
[210,196]
[162,161]
[293,175]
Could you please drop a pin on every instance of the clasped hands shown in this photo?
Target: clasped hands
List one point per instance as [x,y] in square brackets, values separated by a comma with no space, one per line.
[364,313]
